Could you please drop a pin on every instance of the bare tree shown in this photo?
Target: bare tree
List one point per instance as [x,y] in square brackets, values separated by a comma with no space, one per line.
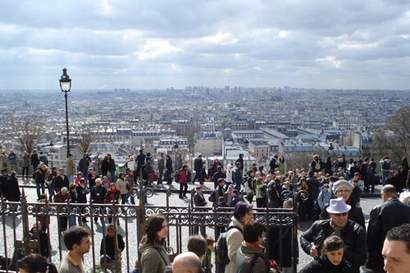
[394,138]
[86,139]
[28,133]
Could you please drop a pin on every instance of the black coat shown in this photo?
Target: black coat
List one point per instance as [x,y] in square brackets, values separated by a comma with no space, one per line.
[60,182]
[353,236]
[12,190]
[98,194]
[108,245]
[384,217]
[322,265]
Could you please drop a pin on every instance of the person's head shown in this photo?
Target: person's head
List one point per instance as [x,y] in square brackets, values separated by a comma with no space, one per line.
[156,229]
[198,245]
[187,262]
[98,182]
[253,233]
[111,230]
[333,249]
[388,192]
[243,213]
[221,182]
[338,211]
[35,263]
[77,239]
[121,175]
[61,171]
[396,250]
[343,188]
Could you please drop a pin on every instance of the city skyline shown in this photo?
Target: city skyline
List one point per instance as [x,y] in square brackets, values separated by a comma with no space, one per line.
[126,44]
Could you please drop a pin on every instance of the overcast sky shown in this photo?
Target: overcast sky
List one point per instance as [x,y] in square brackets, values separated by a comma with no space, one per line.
[156,44]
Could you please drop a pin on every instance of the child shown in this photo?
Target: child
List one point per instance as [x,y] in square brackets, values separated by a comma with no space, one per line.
[331,260]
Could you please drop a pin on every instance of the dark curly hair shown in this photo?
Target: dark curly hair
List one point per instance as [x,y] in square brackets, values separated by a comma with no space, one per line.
[152,226]
[35,263]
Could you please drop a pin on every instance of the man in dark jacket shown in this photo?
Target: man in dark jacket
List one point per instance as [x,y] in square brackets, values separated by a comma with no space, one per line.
[61,180]
[83,166]
[199,169]
[98,193]
[352,234]
[140,162]
[199,203]
[112,245]
[12,190]
[390,214]
[237,177]
[34,160]
[219,174]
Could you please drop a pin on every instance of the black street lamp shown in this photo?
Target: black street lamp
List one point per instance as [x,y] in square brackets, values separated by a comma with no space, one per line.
[65,86]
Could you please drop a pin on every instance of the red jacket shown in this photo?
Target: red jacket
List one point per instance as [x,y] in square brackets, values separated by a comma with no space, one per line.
[183,176]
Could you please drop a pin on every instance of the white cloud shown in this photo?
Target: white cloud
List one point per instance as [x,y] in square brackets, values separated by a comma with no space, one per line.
[221,38]
[330,60]
[154,48]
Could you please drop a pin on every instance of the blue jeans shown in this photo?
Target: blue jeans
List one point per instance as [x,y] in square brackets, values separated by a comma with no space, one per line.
[38,186]
[50,188]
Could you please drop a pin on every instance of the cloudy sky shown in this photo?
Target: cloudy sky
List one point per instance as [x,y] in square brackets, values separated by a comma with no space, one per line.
[157,44]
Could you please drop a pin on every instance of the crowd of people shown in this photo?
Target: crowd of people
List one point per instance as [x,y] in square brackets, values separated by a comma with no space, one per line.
[326,192]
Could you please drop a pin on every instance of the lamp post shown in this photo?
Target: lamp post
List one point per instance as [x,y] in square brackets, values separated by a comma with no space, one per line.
[65,86]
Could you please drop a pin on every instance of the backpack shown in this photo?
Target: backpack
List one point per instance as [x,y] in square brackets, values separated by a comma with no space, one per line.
[221,249]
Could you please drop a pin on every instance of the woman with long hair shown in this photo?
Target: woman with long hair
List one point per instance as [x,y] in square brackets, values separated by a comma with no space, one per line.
[154,255]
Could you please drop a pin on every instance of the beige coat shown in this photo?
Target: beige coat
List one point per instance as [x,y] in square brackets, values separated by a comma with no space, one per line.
[234,240]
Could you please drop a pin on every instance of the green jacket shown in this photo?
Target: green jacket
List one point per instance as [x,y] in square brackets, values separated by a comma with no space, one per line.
[244,259]
[154,257]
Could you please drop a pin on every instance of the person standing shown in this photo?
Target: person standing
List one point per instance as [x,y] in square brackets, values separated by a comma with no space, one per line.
[12,190]
[123,187]
[183,181]
[111,246]
[391,213]
[240,162]
[62,196]
[161,167]
[154,255]
[25,165]
[78,242]
[251,254]
[83,165]
[237,177]
[199,205]
[98,193]
[34,160]
[332,260]
[385,165]
[198,168]
[242,216]
[40,176]
[352,234]
[12,159]
[139,162]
